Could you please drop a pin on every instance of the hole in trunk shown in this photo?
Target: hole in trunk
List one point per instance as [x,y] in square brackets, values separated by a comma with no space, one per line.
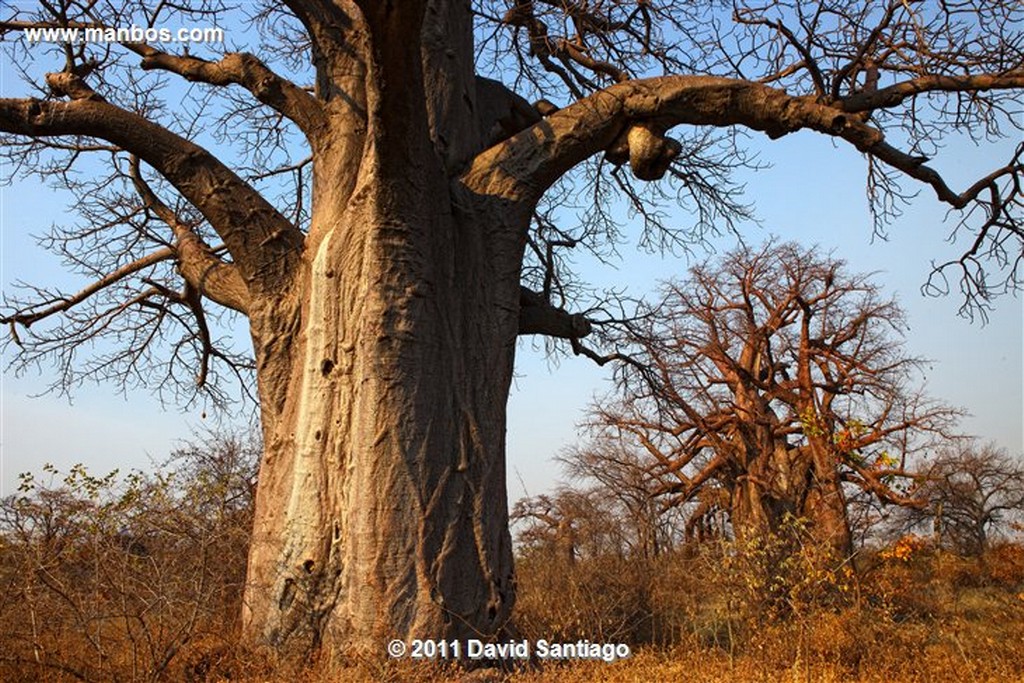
[308,566]
[326,365]
[287,595]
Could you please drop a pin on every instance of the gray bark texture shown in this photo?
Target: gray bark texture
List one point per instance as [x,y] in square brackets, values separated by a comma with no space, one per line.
[384,334]
[385,369]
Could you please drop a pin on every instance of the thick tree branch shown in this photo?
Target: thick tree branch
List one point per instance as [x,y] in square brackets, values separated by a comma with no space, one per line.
[237,68]
[896,94]
[539,316]
[581,349]
[205,273]
[65,84]
[245,70]
[873,482]
[634,115]
[263,244]
[683,491]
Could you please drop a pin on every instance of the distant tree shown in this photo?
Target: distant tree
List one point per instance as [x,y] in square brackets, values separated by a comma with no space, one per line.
[972,491]
[619,476]
[118,577]
[567,525]
[611,465]
[611,508]
[343,175]
[777,378]
[585,572]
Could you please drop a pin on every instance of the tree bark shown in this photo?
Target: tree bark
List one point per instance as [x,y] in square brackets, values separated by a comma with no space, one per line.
[787,484]
[782,483]
[382,508]
[384,372]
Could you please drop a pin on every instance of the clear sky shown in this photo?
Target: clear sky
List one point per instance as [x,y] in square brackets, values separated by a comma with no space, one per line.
[814,193]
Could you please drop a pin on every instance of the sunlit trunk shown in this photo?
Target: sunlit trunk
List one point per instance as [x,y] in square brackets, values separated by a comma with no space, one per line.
[790,489]
[382,508]
[381,511]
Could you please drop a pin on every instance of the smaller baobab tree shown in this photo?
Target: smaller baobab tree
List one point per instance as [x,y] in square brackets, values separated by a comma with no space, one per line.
[971,490]
[593,547]
[567,525]
[774,379]
[617,473]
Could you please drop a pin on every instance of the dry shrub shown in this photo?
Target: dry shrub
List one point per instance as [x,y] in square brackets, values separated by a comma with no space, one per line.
[781,608]
[108,579]
[711,594]
[604,598]
[899,580]
[126,578]
[1003,565]
[927,582]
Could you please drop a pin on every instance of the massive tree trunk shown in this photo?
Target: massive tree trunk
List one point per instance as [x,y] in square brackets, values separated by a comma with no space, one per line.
[787,485]
[824,504]
[381,509]
[782,484]
[384,372]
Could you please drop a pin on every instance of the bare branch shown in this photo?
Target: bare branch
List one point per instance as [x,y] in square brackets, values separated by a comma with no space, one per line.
[45,309]
[207,275]
[263,244]
[898,93]
[246,70]
[234,68]
[772,376]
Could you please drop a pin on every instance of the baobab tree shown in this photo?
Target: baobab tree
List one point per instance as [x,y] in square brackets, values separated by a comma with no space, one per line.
[774,378]
[974,491]
[386,271]
[615,471]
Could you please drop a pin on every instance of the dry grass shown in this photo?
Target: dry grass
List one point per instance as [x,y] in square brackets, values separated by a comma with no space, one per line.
[925,616]
[101,587]
[911,617]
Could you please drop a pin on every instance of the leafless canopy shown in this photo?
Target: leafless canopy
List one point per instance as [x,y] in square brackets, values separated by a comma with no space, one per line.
[776,376]
[974,492]
[164,258]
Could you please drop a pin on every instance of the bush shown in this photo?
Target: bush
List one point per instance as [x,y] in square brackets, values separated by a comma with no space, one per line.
[712,593]
[604,599]
[118,578]
[141,577]
[781,607]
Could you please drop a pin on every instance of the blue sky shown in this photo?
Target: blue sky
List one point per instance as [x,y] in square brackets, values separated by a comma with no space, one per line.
[813,193]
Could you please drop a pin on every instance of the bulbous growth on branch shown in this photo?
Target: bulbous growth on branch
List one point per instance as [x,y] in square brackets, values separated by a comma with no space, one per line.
[647,148]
